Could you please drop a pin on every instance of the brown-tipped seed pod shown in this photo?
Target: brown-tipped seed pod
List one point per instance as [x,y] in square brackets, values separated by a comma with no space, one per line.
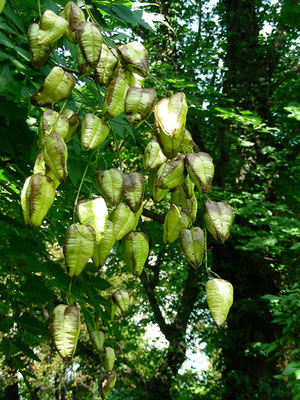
[135,250]
[103,248]
[153,156]
[107,383]
[121,298]
[188,145]
[39,52]
[98,339]
[219,299]
[176,219]
[201,169]
[134,79]
[114,101]
[169,145]
[73,14]
[108,358]
[74,124]
[218,219]
[83,66]
[133,190]
[135,57]
[90,41]
[40,167]
[65,329]
[110,182]
[52,121]
[188,187]
[52,27]
[56,155]
[94,212]
[93,132]
[157,194]
[192,244]
[124,220]
[171,173]
[106,65]
[139,104]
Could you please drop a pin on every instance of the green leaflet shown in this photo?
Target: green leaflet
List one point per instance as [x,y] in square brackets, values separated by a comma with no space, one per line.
[106,65]
[157,194]
[74,124]
[103,248]
[121,298]
[53,121]
[139,104]
[201,169]
[133,190]
[108,358]
[98,339]
[94,131]
[56,155]
[39,52]
[218,219]
[94,212]
[135,57]
[40,167]
[2,4]
[171,173]
[110,183]
[153,156]
[135,250]
[192,244]
[90,41]
[124,220]
[52,27]
[114,101]
[107,383]
[219,299]
[176,219]
[169,145]
[73,14]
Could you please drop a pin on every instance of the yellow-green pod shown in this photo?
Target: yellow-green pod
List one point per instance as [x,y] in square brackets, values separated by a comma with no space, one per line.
[103,248]
[40,167]
[90,41]
[176,219]
[94,212]
[201,169]
[171,173]
[218,219]
[153,156]
[139,104]
[135,250]
[98,339]
[135,57]
[52,121]
[110,182]
[192,244]
[83,66]
[169,145]
[133,190]
[138,215]
[106,65]
[39,52]
[108,358]
[93,132]
[219,295]
[193,207]
[114,101]
[121,298]
[74,124]
[52,27]
[124,220]
[188,145]
[178,197]
[56,155]
[73,14]
[134,79]
[107,383]
[157,194]
[188,187]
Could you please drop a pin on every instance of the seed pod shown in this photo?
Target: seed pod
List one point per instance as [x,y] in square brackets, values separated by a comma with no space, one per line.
[135,57]
[56,155]
[78,248]
[94,131]
[201,169]
[52,121]
[219,299]
[135,251]
[124,220]
[169,145]
[107,383]
[188,187]
[193,208]
[137,216]
[57,86]
[176,219]
[133,190]
[153,156]
[115,311]
[110,183]
[83,66]
[218,219]
[73,14]
[157,194]
[39,52]
[65,329]
[37,197]
[98,339]
[171,173]
[192,244]
[106,65]
[134,79]
[178,197]
[103,248]
[115,95]
[108,358]
[121,298]
[90,41]
[74,124]
[94,212]
[41,168]
[188,145]
[52,27]
[139,104]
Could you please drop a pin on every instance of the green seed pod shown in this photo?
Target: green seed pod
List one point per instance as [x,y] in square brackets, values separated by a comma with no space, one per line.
[179,198]
[153,156]
[52,27]
[41,168]
[124,220]
[134,79]
[52,121]
[98,339]
[115,311]
[78,248]
[219,299]
[65,329]
[133,190]
[176,219]
[103,248]
[193,208]
[171,173]
[107,383]
[114,101]
[73,14]
[90,41]
[37,197]
[94,131]
[188,145]
[110,183]
[157,194]
[74,124]
[83,66]
[188,187]
[108,358]
[39,52]
[135,57]
[57,86]
[56,155]
[135,252]
[201,169]
[106,65]
[121,298]
[137,216]
[139,104]
[192,244]
[94,212]
[218,219]
[169,145]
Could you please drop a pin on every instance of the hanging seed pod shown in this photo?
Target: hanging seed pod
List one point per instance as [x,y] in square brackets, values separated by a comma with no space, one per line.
[135,57]
[193,208]
[41,168]
[188,145]
[135,251]
[157,194]
[78,248]
[139,104]
[103,248]
[110,183]
[73,14]
[192,245]
[134,79]
[188,187]
[218,219]
[94,131]
[98,339]
[178,197]
[201,169]
[176,219]
[65,329]
[94,212]
[90,41]
[124,220]
[74,124]
[83,66]
[171,173]
[52,27]
[53,121]
[57,86]
[138,215]
[219,299]
[37,197]
[39,52]
[115,95]
[56,155]
[106,65]
[108,358]
[107,383]
[115,311]
[121,298]
[169,145]
[153,156]
[133,190]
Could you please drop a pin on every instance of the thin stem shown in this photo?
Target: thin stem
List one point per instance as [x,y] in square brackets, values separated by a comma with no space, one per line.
[117,147]
[84,100]
[159,83]
[148,124]
[89,12]
[205,250]
[69,292]
[40,11]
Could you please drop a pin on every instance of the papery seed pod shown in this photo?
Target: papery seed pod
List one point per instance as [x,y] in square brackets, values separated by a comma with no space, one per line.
[98,339]
[178,197]
[219,299]
[192,244]
[134,79]
[139,104]
[108,358]
[73,14]
[121,298]
[94,212]
[107,383]
[78,248]
[106,65]
[40,167]
[57,86]
[193,208]
[52,27]
[124,220]
[135,250]
[37,197]
[135,57]
[169,145]
[53,121]
[171,173]
[74,124]
[188,145]
[133,190]
[90,41]
[65,329]
[103,248]
[114,101]
[188,187]
[201,169]
[39,52]
[153,156]
[218,219]
[138,215]
[110,183]
[157,194]
[93,132]
[176,219]
[56,155]
[83,66]
[115,311]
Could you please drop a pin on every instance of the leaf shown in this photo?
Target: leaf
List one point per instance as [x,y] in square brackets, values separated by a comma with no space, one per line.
[33,325]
